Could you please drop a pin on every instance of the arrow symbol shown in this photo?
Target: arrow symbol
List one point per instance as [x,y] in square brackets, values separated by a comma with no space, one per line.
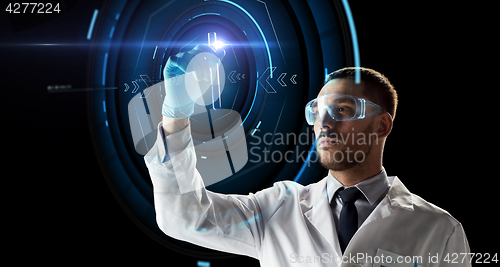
[126,87]
[145,78]
[136,86]
[293,79]
[243,76]
[238,76]
[230,76]
[280,79]
[267,79]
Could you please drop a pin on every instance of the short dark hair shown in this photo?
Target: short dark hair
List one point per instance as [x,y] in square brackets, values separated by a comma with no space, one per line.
[379,90]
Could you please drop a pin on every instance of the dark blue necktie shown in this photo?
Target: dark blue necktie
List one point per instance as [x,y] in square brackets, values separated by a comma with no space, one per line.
[348,221]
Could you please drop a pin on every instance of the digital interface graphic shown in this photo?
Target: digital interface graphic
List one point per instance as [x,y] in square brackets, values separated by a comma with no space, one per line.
[272,65]
[277,56]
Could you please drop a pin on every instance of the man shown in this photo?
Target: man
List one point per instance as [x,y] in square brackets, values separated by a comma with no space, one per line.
[354,216]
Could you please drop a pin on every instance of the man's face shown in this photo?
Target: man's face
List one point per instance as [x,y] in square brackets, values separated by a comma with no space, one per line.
[342,145]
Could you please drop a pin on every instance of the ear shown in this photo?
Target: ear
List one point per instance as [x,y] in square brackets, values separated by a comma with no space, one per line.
[384,125]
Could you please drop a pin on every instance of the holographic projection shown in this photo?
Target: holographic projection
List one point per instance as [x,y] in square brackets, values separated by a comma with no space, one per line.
[276,57]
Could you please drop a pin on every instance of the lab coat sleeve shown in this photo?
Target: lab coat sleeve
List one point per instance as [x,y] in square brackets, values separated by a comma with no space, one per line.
[185,210]
[456,250]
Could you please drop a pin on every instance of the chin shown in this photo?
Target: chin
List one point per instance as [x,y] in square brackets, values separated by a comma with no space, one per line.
[337,159]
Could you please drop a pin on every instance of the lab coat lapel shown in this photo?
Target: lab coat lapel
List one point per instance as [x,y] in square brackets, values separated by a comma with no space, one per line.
[316,208]
[398,196]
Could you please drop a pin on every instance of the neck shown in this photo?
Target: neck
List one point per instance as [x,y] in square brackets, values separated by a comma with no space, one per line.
[357,173]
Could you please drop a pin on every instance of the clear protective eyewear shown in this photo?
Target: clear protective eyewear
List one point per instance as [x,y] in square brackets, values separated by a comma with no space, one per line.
[340,108]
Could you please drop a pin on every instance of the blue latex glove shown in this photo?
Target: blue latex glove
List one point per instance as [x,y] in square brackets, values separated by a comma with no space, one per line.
[188,76]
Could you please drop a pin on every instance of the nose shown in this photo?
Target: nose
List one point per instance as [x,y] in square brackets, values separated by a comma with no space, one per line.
[326,121]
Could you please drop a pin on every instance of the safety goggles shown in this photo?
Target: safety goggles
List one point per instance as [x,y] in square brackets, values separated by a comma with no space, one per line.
[340,108]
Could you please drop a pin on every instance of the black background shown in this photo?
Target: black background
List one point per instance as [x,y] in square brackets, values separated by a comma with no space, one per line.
[443,146]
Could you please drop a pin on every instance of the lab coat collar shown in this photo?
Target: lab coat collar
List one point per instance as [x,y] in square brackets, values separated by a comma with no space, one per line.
[398,195]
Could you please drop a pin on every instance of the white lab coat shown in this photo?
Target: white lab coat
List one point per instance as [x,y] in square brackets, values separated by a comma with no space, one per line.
[292,225]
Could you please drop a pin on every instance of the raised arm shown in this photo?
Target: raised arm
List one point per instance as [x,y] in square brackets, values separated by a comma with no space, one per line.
[185,210]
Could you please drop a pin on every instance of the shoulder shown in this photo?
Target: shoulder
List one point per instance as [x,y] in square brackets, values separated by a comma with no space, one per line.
[414,210]
[438,222]
[430,210]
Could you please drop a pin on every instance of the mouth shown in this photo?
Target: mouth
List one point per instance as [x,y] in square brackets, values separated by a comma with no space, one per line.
[327,142]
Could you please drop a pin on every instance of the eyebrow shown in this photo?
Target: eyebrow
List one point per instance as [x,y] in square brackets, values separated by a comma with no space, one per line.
[341,100]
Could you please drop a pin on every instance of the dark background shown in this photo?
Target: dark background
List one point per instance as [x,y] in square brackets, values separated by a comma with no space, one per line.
[443,146]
